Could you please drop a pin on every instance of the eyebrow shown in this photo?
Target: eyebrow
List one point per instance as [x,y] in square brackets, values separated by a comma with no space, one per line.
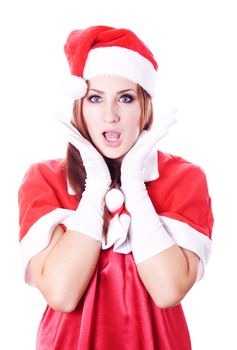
[119,92]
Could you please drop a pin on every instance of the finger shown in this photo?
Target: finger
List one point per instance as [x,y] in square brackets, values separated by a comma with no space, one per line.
[71,130]
[161,129]
[168,118]
[68,127]
[71,134]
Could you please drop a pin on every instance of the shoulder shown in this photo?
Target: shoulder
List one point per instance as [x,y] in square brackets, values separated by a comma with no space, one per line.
[44,182]
[181,192]
[50,172]
[178,177]
[168,163]
[48,167]
[179,171]
[43,189]
[46,178]
[180,196]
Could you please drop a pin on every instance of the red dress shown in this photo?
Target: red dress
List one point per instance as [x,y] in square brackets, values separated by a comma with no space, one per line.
[116,312]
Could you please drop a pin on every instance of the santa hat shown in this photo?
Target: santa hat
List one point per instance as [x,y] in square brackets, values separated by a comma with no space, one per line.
[102,50]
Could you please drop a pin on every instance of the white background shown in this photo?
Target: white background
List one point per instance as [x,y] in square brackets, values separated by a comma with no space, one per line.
[195,45]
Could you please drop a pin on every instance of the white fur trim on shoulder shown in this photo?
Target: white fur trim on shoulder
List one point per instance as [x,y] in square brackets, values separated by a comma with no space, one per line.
[187,237]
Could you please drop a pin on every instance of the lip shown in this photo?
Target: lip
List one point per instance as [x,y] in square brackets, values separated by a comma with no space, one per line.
[112,138]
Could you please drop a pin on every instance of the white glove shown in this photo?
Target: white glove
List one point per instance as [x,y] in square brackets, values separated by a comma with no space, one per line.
[147,235]
[88,217]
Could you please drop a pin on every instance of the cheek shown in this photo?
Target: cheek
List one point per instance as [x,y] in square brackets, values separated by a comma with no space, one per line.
[134,125]
[132,133]
[88,119]
[136,134]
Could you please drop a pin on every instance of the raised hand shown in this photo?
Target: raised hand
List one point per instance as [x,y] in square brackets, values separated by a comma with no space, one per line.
[137,160]
[92,160]
[147,234]
[88,217]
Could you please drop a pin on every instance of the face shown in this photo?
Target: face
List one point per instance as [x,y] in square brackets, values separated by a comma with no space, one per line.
[112,111]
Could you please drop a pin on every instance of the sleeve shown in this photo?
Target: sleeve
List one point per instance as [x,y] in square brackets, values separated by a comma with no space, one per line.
[182,201]
[42,206]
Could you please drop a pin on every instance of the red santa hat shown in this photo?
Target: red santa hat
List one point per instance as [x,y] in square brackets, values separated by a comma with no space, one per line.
[102,50]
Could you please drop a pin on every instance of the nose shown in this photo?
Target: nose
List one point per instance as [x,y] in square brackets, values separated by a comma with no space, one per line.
[111,113]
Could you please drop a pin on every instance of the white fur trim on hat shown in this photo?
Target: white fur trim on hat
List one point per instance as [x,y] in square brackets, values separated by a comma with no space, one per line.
[122,62]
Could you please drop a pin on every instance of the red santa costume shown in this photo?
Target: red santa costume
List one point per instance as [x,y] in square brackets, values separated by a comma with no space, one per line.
[116,312]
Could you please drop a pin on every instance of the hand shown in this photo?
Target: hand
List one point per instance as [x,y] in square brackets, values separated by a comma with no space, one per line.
[88,217]
[138,159]
[147,235]
[93,161]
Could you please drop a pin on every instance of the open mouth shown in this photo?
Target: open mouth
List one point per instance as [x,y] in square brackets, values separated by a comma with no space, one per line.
[111,136]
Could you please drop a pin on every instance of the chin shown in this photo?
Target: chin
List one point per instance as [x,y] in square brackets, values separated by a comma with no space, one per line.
[113,155]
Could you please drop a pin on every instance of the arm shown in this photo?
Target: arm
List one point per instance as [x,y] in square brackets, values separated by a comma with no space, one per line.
[167,271]
[63,270]
[169,275]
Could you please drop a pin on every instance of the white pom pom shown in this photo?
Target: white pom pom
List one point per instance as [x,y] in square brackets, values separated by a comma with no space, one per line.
[75,87]
[114,199]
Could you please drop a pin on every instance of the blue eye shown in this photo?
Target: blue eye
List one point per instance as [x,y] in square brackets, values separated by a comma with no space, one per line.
[94,99]
[126,98]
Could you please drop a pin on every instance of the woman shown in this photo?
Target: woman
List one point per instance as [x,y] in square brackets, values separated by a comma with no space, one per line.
[117,234]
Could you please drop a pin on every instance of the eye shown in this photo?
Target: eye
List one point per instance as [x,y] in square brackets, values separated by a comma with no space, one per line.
[95,99]
[126,98]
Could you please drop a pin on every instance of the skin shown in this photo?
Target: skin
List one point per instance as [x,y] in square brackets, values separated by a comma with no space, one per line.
[112,105]
[63,270]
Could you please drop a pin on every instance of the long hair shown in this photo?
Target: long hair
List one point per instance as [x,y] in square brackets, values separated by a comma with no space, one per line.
[75,169]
